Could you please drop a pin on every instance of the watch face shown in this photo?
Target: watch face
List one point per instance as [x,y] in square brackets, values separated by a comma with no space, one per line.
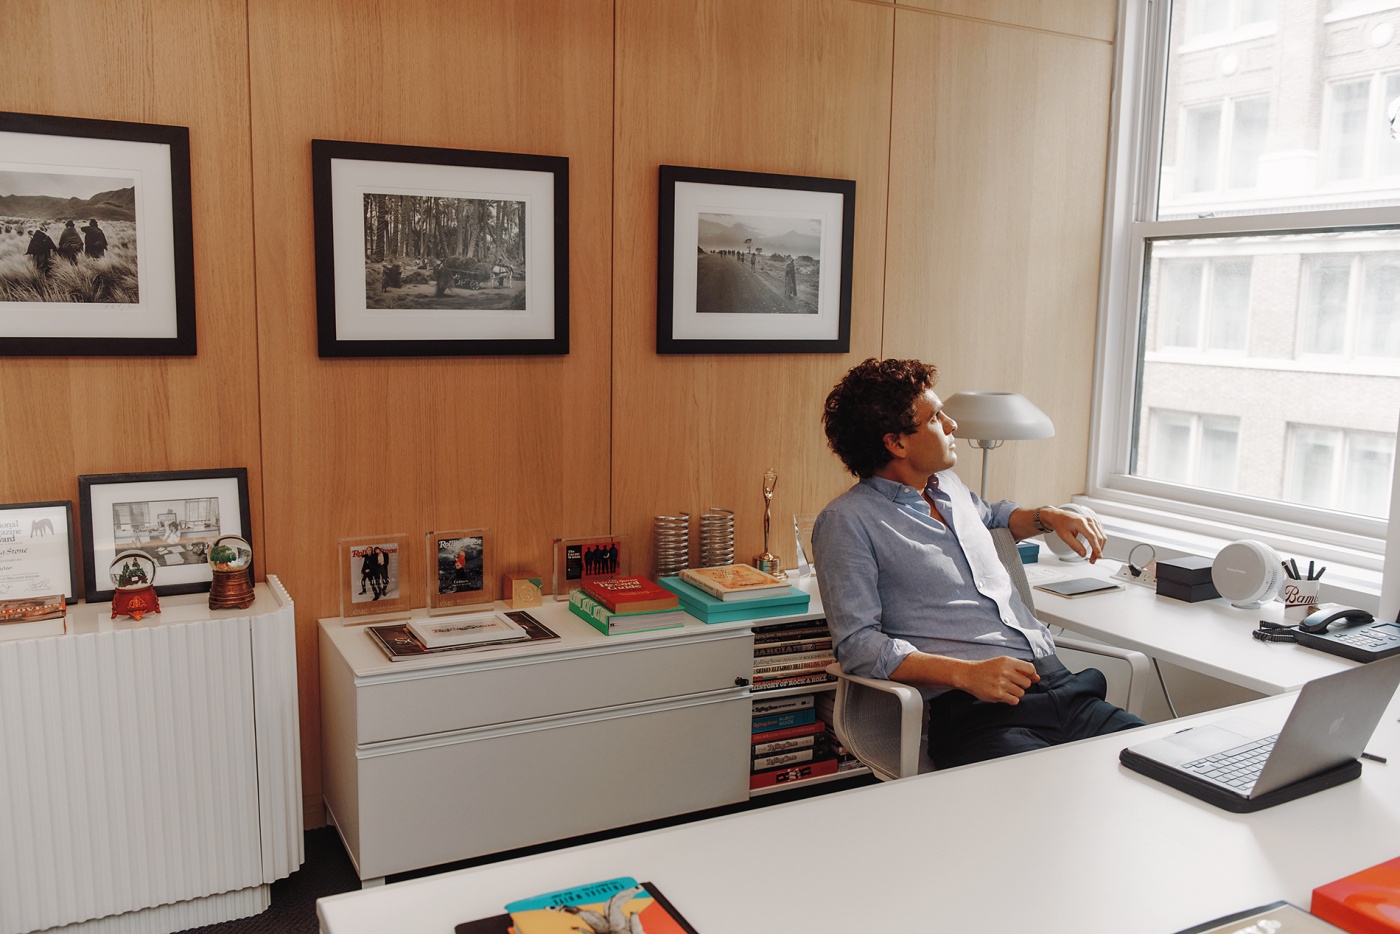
[230,553]
[132,570]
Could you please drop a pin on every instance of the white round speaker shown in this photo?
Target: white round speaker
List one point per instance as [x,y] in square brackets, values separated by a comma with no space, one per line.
[1247,573]
[1058,545]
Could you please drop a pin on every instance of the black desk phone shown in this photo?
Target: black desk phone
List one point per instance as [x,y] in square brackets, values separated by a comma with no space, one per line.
[1349,632]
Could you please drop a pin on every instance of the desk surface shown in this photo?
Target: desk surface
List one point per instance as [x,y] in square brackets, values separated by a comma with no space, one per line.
[1075,842]
[1211,637]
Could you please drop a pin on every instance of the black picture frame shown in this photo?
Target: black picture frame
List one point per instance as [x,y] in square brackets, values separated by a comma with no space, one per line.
[369,197]
[719,293]
[174,545]
[42,527]
[154,249]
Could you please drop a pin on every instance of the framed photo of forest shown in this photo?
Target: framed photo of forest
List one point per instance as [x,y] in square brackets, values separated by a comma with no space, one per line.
[750,262]
[439,252]
[96,252]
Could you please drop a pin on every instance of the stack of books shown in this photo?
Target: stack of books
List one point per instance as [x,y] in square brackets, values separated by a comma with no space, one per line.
[788,742]
[826,713]
[726,594]
[626,604]
[789,655]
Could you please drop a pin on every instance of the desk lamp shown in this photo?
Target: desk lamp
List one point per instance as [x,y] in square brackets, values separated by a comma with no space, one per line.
[986,419]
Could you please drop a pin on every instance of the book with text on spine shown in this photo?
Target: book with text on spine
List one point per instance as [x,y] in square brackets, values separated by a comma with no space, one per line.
[734,581]
[631,595]
[610,624]
[711,609]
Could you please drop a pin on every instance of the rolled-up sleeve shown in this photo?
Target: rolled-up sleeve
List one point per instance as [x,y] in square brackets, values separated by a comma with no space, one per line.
[848,578]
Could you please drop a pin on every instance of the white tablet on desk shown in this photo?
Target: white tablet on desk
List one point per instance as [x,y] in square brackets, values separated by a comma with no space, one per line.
[1079,587]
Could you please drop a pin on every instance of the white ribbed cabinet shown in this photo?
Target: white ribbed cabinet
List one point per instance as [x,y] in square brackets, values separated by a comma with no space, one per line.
[151,772]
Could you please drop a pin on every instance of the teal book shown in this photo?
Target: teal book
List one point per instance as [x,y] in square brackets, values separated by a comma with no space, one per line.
[714,610]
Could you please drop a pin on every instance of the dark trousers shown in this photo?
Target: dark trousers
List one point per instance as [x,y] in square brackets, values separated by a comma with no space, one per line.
[1061,707]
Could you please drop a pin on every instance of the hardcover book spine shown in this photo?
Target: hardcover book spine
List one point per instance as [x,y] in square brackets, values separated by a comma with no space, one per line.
[588,617]
[790,774]
[782,758]
[761,684]
[781,704]
[783,745]
[783,720]
[768,650]
[702,582]
[806,729]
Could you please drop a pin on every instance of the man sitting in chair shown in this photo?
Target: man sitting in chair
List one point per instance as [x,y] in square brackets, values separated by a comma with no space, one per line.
[914,591]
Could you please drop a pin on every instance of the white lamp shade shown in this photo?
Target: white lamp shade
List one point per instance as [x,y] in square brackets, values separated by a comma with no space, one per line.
[997,416]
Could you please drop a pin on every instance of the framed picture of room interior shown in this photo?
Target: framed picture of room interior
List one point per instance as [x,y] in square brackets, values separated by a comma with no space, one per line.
[439,252]
[96,252]
[172,516]
[749,262]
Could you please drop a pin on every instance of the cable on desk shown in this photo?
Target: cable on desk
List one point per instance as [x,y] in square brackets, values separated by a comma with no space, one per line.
[1165,693]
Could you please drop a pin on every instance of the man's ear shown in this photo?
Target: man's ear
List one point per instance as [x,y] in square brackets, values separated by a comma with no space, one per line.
[894,443]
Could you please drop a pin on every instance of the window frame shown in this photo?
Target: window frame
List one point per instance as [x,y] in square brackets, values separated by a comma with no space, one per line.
[1136,134]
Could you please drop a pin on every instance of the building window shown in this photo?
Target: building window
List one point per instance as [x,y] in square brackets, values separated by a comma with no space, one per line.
[1350,306]
[1343,470]
[1222,143]
[1357,141]
[1187,448]
[1252,268]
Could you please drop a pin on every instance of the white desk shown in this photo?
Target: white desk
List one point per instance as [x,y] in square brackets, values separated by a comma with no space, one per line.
[1079,844]
[1211,637]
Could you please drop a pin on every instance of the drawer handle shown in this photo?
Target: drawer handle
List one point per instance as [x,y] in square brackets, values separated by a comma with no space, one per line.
[741,682]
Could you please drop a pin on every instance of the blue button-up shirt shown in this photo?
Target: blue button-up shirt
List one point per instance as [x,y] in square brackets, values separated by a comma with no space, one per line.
[894,579]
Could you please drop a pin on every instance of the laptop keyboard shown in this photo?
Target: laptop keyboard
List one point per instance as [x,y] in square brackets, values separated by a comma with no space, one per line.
[1238,768]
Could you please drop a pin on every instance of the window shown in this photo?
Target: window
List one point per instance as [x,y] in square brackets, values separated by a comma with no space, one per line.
[1250,377]
[1222,143]
[1184,447]
[1357,142]
[1337,469]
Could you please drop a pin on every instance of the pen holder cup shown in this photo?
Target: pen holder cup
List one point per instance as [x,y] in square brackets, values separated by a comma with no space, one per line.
[1299,599]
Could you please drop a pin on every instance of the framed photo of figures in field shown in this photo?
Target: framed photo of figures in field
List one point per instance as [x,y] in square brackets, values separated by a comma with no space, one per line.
[96,252]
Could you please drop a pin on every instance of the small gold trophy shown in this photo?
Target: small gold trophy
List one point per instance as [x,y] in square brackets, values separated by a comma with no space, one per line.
[768,562]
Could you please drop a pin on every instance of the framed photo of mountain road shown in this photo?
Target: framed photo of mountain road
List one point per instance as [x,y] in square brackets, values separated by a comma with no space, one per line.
[96,252]
[749,262]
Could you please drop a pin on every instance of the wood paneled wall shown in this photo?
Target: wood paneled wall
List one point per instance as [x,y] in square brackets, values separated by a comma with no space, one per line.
[976,133]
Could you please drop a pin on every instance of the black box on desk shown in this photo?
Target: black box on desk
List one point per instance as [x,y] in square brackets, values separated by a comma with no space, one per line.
[1186,579]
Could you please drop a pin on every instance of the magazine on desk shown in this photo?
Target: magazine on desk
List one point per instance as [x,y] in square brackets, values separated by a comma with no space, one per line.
[613,906]
[399,642]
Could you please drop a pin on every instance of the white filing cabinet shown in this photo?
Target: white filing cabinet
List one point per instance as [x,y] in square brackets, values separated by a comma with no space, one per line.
[428,761]
[151,772]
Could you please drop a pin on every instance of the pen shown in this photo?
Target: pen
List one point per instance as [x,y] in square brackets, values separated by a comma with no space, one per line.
[1320,572]
[1289,571]
[1373,758]
[1310,571]
[1294,565]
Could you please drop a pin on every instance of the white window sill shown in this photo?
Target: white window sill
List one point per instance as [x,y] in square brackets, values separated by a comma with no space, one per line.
[1127,526]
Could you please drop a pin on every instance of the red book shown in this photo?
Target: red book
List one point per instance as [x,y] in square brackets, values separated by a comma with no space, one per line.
[1365,902]
[786,775]
[631,595]
[788,732]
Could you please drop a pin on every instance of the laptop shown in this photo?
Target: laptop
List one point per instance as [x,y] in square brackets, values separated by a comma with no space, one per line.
[1247,762]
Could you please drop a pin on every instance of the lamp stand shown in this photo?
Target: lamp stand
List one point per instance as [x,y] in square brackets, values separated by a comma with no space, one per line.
[985,446]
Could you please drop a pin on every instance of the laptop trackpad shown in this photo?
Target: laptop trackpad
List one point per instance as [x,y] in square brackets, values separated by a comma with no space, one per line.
[1202,740]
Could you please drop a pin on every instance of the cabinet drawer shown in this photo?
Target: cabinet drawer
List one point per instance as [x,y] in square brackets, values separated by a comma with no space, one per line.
[431,801]
[526,687]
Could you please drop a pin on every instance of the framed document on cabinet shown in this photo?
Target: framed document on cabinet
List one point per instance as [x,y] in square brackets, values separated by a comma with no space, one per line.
[36,550]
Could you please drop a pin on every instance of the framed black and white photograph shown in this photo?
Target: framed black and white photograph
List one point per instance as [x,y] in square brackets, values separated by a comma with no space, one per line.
[36,551]
[173,517]
[750,262]
[96,252]
[439,252]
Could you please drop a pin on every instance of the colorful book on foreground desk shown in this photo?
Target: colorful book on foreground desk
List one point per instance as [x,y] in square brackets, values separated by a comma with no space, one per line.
[1277,918]
[399,643]
[714,610]
[613,906]
[630,595]
[1365,902]
[610,624]
[734,582]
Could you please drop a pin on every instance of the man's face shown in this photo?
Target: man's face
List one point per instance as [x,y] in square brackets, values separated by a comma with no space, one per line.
[930,447]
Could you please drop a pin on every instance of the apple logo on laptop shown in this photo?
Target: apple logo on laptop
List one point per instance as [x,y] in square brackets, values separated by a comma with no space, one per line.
[1336,725]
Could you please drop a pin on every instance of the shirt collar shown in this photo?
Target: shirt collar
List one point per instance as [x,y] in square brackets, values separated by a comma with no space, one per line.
[895,491]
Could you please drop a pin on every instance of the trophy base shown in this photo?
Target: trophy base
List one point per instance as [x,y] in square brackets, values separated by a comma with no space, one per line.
[769,564]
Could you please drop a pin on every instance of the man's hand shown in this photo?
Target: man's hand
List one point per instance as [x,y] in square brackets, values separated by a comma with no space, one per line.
[1000,680]
[1082,533]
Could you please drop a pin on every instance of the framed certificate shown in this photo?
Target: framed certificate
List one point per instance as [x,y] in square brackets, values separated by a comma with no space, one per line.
[36,550]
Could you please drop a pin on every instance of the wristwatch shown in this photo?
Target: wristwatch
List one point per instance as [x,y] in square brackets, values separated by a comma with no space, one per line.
[1039,526]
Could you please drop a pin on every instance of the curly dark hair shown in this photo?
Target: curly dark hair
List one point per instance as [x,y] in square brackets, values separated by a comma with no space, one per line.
[875,398]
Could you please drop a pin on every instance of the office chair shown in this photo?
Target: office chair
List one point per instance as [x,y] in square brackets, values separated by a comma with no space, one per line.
[882,722]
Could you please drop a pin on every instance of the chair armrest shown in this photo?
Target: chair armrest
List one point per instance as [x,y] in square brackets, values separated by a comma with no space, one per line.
[1138,667]
[880,722]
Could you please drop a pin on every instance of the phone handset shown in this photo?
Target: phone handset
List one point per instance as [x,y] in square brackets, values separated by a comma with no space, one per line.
[1322,618]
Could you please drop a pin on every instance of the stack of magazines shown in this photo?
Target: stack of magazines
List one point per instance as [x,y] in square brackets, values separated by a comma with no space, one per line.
[474,631]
